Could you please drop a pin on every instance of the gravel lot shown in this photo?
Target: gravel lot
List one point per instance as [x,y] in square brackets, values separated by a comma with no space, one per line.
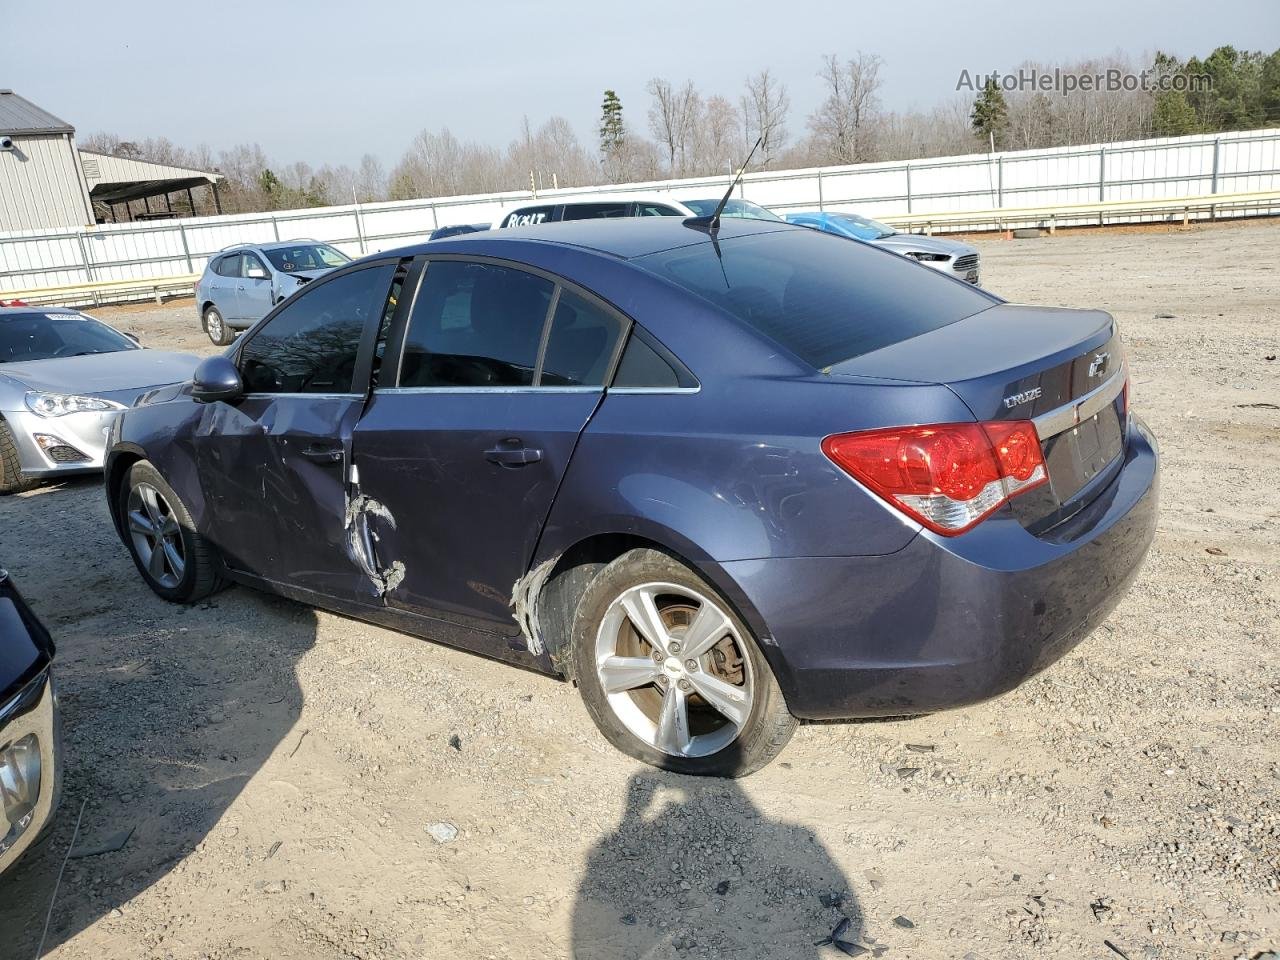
[286,778]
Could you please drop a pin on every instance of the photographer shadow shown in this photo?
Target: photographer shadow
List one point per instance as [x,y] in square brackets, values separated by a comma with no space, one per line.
[695,869]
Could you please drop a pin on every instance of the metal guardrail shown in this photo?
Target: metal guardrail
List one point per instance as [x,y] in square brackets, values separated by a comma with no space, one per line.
[78,294]
[1051,217]
[1047,217]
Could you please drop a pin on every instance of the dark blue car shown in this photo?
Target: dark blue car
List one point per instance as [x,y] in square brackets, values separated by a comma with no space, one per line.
[721,480]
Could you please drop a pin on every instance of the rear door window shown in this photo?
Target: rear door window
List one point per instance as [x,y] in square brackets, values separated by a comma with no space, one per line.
[228,266]
[821,297]
[580,349]
[475,325]
[595,211]
[655,210]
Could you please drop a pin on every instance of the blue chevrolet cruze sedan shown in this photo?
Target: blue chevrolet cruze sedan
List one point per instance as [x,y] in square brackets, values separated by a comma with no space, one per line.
[722,477]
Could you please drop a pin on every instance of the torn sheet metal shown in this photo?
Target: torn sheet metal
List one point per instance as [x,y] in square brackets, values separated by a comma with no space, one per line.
[524,604]
[361,542]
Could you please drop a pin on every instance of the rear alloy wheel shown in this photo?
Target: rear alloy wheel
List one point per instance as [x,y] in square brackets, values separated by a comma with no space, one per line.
[217,327]
[671,676]
[172,557]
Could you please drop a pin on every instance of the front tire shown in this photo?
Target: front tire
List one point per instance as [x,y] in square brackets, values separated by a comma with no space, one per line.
[217,328]
[176,562]
[671,675]
[11,478]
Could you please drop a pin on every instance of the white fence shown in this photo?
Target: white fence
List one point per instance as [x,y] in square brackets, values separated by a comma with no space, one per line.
[1137,170]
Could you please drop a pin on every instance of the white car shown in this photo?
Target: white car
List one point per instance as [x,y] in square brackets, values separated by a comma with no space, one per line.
[597,206]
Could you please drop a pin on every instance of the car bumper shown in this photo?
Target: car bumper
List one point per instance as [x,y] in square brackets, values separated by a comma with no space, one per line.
[53,446]
[33,714]
[947,622]
[971,274]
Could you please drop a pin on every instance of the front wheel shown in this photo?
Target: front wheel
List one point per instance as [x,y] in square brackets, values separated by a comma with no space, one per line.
[217,328]
[671,675]
[11,478]
[175,561]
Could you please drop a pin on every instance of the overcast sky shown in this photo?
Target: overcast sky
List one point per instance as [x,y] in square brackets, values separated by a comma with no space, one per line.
[326,81]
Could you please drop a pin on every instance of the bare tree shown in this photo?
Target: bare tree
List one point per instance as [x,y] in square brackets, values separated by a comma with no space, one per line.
[764,114]
[673,118]
[371,181]
[717,140]
[843,124]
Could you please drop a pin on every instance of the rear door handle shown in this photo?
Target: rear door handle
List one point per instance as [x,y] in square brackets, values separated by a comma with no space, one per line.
[323,453]
[513,456]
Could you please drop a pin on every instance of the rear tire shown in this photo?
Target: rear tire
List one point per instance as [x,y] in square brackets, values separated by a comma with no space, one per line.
[177,563]
[11,478]
[217,328]
[702,699]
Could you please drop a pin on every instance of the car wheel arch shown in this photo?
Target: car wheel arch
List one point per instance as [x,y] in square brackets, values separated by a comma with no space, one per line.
[121,458]
[560,580]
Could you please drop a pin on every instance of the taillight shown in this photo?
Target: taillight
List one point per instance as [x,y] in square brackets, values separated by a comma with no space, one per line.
[948,476]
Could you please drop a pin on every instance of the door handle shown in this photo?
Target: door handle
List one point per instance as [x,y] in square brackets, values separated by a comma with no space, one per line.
[513,456]
[322,453]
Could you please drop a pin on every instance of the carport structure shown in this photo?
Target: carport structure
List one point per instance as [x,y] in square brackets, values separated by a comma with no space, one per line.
[117,182]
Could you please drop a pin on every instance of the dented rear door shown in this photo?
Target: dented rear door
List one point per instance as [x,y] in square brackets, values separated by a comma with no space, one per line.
[460,456]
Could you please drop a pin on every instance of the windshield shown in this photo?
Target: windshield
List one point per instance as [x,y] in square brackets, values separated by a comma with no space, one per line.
[741,209]
[823,299]
[45,336]
[863,228]
[306,256]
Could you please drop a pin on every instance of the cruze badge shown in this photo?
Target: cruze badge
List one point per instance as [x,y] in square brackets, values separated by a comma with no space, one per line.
[1099,364]
[1026,396]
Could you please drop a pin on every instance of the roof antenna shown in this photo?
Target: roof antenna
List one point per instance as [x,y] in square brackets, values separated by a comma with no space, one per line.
[712,223]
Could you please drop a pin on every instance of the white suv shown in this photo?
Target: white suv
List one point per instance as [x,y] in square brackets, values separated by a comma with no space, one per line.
[598,206]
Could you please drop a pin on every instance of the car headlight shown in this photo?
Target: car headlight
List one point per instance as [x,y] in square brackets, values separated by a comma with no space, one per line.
[928,257]
[61,404]
[19,788]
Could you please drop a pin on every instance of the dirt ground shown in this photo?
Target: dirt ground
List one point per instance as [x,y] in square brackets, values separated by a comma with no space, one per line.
[285,777]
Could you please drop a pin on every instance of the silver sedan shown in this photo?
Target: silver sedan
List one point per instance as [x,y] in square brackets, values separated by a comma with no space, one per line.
[952,257]
[64,377]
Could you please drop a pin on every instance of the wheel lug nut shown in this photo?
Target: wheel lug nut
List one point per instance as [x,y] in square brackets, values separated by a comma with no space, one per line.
[662,682]
[658,657]
[684,685]
[674,647]
[691,665]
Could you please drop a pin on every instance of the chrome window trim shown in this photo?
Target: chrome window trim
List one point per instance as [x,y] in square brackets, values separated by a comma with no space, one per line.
[652,390]
[596,389]
[301,393]
[1082,408]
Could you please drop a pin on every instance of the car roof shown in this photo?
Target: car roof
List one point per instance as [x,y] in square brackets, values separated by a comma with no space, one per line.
[625,238]
[590,198]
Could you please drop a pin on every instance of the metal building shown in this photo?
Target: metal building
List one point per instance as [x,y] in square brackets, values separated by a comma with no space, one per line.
[41,181]
[46,182]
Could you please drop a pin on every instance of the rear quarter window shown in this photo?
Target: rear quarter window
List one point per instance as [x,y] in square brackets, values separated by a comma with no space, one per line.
[824,298]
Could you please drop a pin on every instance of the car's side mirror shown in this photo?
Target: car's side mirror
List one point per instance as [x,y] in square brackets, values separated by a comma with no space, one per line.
[216,379]
[256,273]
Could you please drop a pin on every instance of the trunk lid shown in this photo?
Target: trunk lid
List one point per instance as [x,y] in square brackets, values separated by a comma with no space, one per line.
[1058,367]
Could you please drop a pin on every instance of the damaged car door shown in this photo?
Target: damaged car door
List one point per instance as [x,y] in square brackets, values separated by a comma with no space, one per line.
[273,463]
[465,441]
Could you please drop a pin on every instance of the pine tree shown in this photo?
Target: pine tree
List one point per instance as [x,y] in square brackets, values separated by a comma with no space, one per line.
[612,131]
[990,116]
[1173,115]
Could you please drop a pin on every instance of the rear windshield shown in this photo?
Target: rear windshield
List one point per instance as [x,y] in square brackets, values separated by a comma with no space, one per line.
[824,298]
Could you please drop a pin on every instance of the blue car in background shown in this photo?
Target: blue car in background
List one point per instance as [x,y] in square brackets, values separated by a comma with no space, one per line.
[242,283]
[960,260]
[722,477]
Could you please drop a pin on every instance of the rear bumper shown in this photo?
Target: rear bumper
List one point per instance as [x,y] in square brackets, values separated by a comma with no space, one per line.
[946,622]
[33,713]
